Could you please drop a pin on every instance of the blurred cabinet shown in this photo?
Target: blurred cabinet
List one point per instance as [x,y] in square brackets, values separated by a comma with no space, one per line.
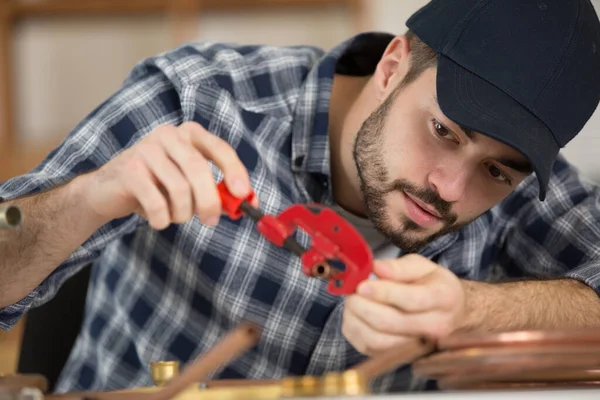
[182,20]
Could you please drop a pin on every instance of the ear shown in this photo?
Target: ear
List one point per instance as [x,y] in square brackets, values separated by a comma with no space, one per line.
[392,67]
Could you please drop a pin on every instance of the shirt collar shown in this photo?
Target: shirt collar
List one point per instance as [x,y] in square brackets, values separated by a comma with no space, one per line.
[310,137]
[356,56]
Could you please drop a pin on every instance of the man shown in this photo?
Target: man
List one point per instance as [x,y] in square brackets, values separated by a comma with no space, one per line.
[426,142]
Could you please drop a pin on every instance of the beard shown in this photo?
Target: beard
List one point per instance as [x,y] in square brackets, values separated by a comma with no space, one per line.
[375,185]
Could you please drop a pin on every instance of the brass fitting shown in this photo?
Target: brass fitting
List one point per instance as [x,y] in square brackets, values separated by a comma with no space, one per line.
[347,383]
[163,371]
[10,217]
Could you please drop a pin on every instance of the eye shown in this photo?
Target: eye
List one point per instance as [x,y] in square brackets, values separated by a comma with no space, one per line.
[497,174]
[443,132]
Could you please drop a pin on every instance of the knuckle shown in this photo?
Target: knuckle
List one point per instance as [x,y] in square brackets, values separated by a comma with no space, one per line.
[206,209]
[180,192]
[388,296]
[155,208]
[446,294]
[191,128]
[381,323]
[183,136]
[150,149]
[417,300]
[441,329]
[135,166]
[185,159]
[157,134]
[376,345]
[200,166]
[228,153]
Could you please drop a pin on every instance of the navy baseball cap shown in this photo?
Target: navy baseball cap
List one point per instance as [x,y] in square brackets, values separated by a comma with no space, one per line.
[523,72]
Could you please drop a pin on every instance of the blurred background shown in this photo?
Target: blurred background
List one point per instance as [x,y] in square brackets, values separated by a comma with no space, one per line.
[60,58]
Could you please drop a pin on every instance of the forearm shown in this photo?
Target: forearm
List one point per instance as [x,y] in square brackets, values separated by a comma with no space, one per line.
[54,224]
[552,304]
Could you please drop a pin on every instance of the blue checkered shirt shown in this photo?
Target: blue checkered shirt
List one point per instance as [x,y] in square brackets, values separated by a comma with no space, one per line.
[172,294]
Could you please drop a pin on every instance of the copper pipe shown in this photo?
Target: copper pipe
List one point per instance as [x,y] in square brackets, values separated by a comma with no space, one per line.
[392,359]
[10,217]
[237,342]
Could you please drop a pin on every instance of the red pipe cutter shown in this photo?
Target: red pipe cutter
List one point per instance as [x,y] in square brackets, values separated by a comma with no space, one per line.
[337,253]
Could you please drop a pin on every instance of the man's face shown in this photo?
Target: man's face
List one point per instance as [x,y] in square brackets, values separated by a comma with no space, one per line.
[421,175]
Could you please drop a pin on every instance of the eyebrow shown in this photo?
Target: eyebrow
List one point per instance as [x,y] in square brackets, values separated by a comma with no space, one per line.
[520,165]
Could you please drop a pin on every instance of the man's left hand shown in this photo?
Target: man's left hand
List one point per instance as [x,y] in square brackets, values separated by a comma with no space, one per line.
[412,297]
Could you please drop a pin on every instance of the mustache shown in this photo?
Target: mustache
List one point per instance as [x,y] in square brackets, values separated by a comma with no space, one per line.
[427,196]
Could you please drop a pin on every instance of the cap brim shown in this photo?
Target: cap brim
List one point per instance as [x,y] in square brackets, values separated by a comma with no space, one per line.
[473,102]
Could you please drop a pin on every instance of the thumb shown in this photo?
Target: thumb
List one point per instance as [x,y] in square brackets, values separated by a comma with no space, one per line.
[409,268]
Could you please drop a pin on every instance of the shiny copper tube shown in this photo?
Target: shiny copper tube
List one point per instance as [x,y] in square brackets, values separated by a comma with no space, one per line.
[388,361]
[10,217]
[234,344]
[237,342]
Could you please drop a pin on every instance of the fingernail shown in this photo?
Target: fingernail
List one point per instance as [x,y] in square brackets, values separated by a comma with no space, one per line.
[212,221]
[239,187]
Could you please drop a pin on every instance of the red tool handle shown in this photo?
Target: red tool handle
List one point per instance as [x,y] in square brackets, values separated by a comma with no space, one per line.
[335,242]
[230,203]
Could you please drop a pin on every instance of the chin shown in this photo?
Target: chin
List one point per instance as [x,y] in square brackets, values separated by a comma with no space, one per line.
[401,231]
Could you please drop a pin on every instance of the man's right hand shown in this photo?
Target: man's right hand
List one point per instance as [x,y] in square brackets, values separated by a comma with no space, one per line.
[166,178]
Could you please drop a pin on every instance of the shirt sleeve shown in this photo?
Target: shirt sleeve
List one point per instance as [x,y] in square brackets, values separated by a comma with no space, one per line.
[150,96]
[558,237]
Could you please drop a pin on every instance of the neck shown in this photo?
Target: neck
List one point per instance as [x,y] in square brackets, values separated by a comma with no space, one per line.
[347,111]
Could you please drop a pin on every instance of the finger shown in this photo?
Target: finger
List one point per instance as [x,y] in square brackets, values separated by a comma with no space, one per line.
[380,317]
[409,298]
[171,178]
[389,321]
[409,268]
[431,324]
[154,205]
[223,155]
[365,339]
[196,170]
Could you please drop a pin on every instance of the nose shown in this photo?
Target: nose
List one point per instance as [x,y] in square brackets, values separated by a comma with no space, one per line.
[450,180]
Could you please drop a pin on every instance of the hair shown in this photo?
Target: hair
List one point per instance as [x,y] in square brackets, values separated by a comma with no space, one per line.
[422,57]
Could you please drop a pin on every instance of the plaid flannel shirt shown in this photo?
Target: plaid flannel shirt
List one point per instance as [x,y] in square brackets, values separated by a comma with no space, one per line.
[172,294]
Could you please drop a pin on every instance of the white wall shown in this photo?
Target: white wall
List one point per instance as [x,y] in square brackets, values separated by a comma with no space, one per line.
[584,150]
[65,67]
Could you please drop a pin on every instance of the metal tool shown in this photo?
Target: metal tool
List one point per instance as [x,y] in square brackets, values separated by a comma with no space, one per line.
[337,253]
[10,217]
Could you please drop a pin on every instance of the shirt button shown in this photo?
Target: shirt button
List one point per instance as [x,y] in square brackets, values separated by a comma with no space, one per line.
[299,161]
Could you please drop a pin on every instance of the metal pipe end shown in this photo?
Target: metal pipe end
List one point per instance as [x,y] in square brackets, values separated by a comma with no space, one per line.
[10,217]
